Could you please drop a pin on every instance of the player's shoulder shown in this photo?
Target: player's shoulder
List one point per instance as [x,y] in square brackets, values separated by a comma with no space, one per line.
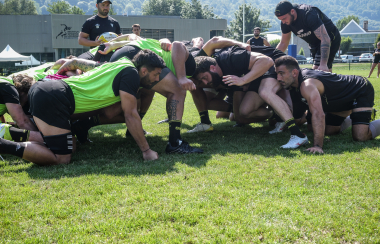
[111,19]
[92,18]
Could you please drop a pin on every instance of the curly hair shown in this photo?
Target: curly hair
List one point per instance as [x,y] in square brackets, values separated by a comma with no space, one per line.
[148,59]
[203,64]
[23,82]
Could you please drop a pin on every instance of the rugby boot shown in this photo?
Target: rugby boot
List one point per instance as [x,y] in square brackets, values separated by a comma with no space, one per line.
[296,142]
[201,128]
[182,148]
[279,127]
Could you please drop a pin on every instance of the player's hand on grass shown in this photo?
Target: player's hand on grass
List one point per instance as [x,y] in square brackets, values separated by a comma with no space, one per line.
[315,149]
[187,84]
[233,80]
[150,155]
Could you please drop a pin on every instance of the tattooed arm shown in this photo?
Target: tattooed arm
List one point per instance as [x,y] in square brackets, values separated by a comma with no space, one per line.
[74,64]
[321,34]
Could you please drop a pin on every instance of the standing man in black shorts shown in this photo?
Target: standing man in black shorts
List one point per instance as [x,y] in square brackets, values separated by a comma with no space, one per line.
[337,96]
[376,55]
[310,24]
[97,25]
[257,40]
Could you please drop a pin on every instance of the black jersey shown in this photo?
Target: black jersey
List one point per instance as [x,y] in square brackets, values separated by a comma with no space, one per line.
[95,26]
[257,42]
[271,52]
[310,18]
[233,60]
[340,90]
[376,58]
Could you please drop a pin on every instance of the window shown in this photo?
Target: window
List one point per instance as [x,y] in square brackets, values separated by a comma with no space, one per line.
[216,33]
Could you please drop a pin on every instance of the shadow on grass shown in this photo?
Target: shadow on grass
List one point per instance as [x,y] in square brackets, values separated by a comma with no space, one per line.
[111,153]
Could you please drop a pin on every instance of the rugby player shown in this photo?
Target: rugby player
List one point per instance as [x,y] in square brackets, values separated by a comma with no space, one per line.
[257,40]
[313,26]
[232,63]
[53,102]
[336,95]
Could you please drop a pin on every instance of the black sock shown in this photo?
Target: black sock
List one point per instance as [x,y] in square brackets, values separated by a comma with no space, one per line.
[174,131]
[87,124]
[205,119]
[19,135]
[11,147]
[276,117]
[294,130]
[230,108]
[142,115]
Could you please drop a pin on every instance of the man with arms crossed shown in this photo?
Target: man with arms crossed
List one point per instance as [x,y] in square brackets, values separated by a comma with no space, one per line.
[337,96]
[314,27]
[257,40]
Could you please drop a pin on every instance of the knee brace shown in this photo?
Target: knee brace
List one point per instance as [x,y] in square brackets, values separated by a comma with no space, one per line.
[60,144]
[334,120]
[362,117]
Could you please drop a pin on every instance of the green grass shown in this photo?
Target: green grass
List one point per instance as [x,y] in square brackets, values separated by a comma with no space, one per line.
[243,189]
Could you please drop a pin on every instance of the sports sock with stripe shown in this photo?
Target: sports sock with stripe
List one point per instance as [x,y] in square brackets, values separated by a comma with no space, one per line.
[11,147]
[294,130]
[174,131]
[19,135]
[205,119]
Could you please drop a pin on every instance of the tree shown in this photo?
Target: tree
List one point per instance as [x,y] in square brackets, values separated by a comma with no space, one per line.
[344,21]
[187,10]
[274,43]
[195,10]
[301,52]
[76,10]
[345,44]
[235,30]
[63,7]
[59,7]
[18,7]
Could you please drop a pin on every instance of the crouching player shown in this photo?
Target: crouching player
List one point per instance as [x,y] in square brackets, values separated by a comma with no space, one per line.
[337,96]
[53,102]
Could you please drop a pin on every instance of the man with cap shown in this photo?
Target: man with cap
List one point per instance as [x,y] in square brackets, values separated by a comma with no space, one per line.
[257,40]
[97,25]
[310,24]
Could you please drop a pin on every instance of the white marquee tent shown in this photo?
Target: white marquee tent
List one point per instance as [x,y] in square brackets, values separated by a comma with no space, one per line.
[10,55]
[32,62]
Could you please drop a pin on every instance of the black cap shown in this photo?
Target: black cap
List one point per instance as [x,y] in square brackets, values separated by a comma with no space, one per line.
[283,8]
[102,1]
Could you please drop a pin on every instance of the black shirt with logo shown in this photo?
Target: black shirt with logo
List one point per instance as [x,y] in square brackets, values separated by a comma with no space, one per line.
[257,42]
[95,26]
[8,93]
[310,18]
[271,52]
[340,90]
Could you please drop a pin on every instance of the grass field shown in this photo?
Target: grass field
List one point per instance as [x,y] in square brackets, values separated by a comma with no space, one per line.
[243,189]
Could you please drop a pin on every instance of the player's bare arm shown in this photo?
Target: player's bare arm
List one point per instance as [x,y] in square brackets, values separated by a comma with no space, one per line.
[311,93]
[18,116]
[321,34]
[218,42]
[284,43]
[258,65]
[127,37]
[166,44]
[266,43]
[133,122]
[74,64]
[84,41]
[110,46]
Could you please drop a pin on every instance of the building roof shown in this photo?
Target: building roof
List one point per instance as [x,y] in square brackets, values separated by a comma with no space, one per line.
[353,28]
